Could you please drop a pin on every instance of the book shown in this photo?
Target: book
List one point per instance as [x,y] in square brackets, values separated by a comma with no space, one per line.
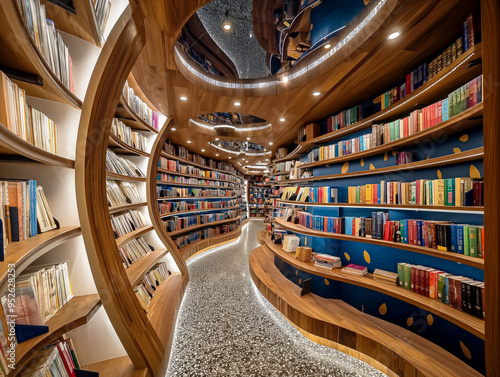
[355,269]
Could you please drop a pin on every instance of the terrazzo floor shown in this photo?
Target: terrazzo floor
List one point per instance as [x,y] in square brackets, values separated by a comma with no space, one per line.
[225,327]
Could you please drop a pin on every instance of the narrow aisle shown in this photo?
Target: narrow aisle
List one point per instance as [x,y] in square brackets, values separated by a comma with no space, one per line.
[226,328]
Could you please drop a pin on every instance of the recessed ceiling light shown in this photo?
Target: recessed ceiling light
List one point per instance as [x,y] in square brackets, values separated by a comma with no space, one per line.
[217,154]
[173,129]
[203,150]
[216,139]
[282,119]
[394,35]
[316,94]
[270,143]
[328,45]
[189,141]
[229,157]
[285,79]
[184,98]
[226,25]
[248,138]
[237,103]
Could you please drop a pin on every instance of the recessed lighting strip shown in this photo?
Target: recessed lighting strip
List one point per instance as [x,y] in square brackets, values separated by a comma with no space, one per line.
[242,129]
[314,64]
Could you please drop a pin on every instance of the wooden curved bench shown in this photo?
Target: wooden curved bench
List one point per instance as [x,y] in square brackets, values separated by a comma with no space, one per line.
[401,351]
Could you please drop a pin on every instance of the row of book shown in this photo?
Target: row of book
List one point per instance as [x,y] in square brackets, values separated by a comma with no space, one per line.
[24,211]
[460,292]
[178,223]
[182,152]
[404,158]
[57,360]
[177,192]
[140,108]
[127,222]
[133,138]
[134,250]
[282,167]
[166,178]
[441,235]
[344,118]
[341,148]
[122,192]
[123,166]
[101,10]
[171,206]
[447,57]
[324,194]
[460,191]
[26,122]
[176,166]
[48,41]
[281,152]
[150,283]
[189,238]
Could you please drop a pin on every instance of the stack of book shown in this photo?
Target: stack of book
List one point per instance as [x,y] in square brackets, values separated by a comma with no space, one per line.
[290,243]
[355,269]
[140,108]
[404,158]
[58,359]
[133,251]
[344,118]
[150,283]
[126,223]
[327,261]
[387,277]
[447,57]
[176,192]
[281,152]
[122,192]
[324,194]
[129,137]
[123,166]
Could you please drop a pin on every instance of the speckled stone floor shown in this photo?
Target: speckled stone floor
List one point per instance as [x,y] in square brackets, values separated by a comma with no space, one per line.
[226,327]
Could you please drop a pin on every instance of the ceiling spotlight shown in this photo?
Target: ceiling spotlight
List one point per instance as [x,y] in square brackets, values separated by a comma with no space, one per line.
[285,79]
[270,143]
[316,94]
[217,154]
[394,35]
[173,129]
[184,98]
[189,141]
[229,157]
[237,103]
[282,119]
[226,25]
[327,46]
[248,138]
[203,150]
[216,139]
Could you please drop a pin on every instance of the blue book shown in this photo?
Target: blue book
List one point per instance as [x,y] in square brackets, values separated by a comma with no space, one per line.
[453,238]
[378,193]
[445,109]
[405,236]
[33,220]
[465,37]
[460,239]
[446,291]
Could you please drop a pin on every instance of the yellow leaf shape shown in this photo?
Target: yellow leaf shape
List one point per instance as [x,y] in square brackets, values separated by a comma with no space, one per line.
[430,320]
[362,162]
[394,153]
[456,150]
[409,321]
[296,272]
[327,282]
[363,308]
[464,138]
[386,156]
[474,173]
[305,242]
[382,309]
[345,167]
[367,256]
[372,167]
[347,256]
[300,281]
[466,351]
[428,157]
[440,176]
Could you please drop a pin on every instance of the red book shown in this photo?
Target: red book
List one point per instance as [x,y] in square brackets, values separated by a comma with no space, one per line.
[329,125]
[418,192]
[425,291]
[408,84]
[68,363]
[473,92]
[412,278]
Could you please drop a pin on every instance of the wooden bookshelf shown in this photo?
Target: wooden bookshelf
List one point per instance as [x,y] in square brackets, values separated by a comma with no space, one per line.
[120,366]
[138,269]
[77,312]
[21,53]
[15,148]
[161,170]
[135,234]
[195,185]
[23,253]
[120,147]
[466,321]
[207,225]
[121,177]
[466,156]
[163,215]
[196,197]
[131,119]
[126,207]
[183,160]
[455,257]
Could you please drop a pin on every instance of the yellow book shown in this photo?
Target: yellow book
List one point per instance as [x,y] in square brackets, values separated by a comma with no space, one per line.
[439,194]
[369,194]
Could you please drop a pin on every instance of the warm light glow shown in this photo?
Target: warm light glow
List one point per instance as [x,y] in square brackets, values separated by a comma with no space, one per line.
[189,141]
[328,45]
[248,138]
[316,94]
[394,35]
[217,154]
[216,139]
[285,79]
[226,25]
[229,157]
[270,143]
[203,150]
[237,103]
[173,129]
[282,119]
[184,98]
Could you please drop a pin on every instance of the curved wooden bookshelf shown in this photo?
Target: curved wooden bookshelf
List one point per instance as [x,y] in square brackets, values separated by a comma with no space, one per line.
[449,79]
[23,253]
[466,321]
[126,207]
[14,146]
[352,331]
[121,177]
[131,119]
[399,207]
[469,118]
[470,155]
[22,54]
[194,227]
[130,236]
[77,312]
[163,215]
[120,366]
[195,197]
[138,269]
[122,148]
[195,185]
[161,170]
[448,255]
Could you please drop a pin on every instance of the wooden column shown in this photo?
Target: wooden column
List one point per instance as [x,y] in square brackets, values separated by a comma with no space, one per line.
[490,21]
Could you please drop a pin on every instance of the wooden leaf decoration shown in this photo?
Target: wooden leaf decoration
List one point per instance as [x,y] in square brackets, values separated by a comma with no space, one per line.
[386,156]
[345,167]
[409,321]
[394,153]
[466,351]
[464,138]
[367,256]
[327,282]
[296,272]
[439,175]
[300,281]
[474,173]
[372,167]
[362,162]
[347,256]
[456,150]
[430,320]
[382,309]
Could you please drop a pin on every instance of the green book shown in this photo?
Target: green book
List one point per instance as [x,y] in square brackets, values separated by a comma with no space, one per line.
[357,195]
[479,242]
[449,192]
[397,129]
[462,98]
[391,127]
[450,105]
[466,241]
[401,276]
[473,241]
[407,276]
[441,284]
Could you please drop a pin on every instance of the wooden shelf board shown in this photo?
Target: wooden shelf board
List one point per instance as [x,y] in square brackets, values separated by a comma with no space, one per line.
[11,144]
[466,321]
[25,252]
[469,118]
[120,366]
[125,207]
[164,305]
[197,210]
[161,170]
[138,269]
[133,120]
[121,177]
[402,351]
[455,257]
[210,242]
[122,148]
[207,225]
[470,155]
[195,185]
[77,312]
[130,236]
[196,197]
